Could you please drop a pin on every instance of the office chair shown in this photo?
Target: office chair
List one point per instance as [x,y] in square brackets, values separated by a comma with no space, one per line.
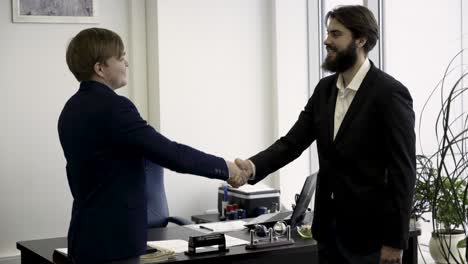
[158,211]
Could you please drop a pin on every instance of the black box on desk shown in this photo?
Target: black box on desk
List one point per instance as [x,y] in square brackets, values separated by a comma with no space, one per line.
[249,198]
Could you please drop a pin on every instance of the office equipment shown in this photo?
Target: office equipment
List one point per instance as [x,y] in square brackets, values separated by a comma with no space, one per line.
[214,239]
[249,198]
[262,210]
[299,211]
[280,228]
[206,228]
[157,208]
[224,202]
[232,215]
[241,214]
[179,245]
[303,201]
[271,241]
[205,218]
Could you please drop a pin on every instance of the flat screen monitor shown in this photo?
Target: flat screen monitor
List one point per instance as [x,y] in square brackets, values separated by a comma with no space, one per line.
[303,201]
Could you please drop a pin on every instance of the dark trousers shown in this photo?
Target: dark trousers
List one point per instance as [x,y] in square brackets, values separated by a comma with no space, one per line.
[337,254]
[332,251]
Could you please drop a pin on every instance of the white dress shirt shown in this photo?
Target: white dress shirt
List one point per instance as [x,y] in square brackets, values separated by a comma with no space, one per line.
[346,94]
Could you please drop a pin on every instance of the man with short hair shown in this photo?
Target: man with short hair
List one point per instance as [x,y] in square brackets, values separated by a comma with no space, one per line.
[105,142]
[363,122]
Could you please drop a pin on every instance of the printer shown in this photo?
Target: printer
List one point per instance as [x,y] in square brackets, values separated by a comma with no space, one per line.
[250,198]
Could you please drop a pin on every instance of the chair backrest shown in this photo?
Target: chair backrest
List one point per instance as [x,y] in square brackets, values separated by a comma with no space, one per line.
[157,208]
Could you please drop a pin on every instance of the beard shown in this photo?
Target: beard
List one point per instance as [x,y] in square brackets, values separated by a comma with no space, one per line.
[344,59]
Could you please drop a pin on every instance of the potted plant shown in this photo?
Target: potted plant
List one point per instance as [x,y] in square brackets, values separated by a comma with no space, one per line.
[447,244]
[423,191]
[442,176]
[434,194]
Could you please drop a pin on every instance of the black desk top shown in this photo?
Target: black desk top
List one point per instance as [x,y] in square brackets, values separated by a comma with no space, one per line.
[43,249]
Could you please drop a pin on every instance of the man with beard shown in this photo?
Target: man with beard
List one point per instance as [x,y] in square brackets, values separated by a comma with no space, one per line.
[363,122]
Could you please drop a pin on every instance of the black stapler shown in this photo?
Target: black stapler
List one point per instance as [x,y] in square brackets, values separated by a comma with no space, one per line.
[212,239]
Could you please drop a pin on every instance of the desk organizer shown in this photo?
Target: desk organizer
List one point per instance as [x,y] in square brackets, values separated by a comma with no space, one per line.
[270,241]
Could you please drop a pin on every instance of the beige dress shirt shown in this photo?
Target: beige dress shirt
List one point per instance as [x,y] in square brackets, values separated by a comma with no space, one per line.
[346,94]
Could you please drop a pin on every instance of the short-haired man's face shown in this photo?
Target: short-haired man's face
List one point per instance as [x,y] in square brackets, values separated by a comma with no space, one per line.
[341,48]
[114,72]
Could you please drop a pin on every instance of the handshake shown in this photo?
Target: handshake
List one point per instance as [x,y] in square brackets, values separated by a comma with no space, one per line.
[240,172]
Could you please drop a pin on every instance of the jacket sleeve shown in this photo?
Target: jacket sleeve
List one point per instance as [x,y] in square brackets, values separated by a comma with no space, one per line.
[400,143]
[129,130]
[288,147]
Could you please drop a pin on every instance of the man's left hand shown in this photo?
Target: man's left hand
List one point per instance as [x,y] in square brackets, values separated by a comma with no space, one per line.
[390,255]
[237,176]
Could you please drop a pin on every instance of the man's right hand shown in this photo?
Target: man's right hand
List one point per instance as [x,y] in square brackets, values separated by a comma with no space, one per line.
[237,176]
[246,166]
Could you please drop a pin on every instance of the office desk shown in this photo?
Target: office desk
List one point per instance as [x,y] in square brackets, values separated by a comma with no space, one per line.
[41,251]
[410,256]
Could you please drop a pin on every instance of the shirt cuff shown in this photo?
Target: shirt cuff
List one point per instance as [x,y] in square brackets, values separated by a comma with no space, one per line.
[252,177]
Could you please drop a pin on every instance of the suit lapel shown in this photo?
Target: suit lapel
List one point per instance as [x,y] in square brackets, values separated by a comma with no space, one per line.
[356,104]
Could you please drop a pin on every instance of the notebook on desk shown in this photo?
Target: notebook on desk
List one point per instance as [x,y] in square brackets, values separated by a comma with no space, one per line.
[290,217]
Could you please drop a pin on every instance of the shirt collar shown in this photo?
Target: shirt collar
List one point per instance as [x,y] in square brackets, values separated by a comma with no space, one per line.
[357,79]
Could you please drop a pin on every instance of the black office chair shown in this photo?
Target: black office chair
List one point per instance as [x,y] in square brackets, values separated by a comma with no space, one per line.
[158,211]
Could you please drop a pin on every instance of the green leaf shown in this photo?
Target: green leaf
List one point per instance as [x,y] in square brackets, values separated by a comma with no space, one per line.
[461,243]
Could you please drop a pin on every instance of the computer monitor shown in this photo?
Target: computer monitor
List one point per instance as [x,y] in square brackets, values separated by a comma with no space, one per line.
[294,218]
[303,200]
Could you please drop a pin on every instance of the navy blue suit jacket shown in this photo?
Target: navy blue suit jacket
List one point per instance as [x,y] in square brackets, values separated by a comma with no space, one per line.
[369,166]
[105,140]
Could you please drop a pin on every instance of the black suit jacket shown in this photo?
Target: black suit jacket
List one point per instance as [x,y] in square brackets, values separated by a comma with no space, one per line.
[369,167]
[104,140]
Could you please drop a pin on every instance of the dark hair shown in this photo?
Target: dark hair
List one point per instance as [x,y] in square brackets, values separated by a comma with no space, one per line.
[359,20]
[90,46]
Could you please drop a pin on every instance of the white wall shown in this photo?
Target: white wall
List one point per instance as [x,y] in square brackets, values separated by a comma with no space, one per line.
[418,47]
[419,43]
[292,88]
[35,200]
[215,85]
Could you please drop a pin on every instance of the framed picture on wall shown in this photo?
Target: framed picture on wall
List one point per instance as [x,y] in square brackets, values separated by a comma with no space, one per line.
[54,11]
